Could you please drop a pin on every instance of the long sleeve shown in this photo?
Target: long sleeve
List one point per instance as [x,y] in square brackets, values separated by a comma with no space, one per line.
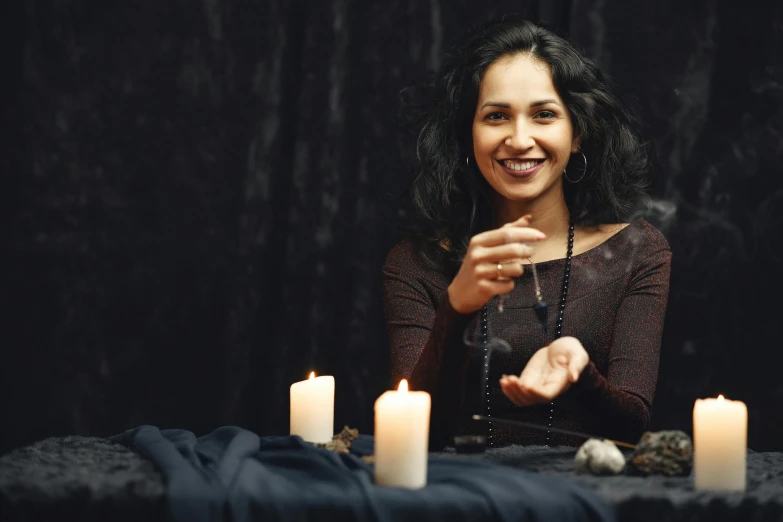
[616,306]
[619,404]
[425,335]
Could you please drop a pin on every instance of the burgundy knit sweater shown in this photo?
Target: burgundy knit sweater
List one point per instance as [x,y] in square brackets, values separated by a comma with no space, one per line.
[615,306]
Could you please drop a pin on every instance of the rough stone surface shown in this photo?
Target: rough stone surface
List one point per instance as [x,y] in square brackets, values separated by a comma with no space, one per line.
[599,457]
[663,452]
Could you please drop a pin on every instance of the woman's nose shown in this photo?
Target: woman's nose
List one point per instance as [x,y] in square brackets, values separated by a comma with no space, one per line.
[520,137]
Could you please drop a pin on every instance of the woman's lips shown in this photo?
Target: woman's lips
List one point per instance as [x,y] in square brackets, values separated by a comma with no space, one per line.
[521,173]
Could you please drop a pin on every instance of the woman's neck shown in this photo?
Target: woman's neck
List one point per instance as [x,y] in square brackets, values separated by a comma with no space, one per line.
[550,217]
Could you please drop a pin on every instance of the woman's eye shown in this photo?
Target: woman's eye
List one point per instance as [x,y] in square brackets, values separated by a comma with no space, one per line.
[494,116]
[547,115]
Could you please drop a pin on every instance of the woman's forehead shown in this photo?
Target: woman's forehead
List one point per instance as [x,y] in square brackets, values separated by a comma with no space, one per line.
[518,78]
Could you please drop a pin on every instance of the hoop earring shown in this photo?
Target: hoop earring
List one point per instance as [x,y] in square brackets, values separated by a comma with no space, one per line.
[467,161]
[583,172]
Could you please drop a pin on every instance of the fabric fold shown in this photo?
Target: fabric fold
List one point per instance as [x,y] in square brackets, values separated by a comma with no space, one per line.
[234,475]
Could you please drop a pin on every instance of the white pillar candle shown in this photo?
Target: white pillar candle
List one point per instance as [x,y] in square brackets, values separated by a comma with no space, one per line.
[312,408]
[402,429]
[720,440]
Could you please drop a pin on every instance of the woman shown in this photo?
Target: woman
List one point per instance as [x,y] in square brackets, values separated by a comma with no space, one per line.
[527,155]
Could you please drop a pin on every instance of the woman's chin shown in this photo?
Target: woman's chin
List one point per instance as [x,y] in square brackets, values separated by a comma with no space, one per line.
[522,196]
[530,192]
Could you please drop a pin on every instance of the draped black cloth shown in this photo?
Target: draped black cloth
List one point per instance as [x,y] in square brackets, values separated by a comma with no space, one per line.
[92,479]
[233,474]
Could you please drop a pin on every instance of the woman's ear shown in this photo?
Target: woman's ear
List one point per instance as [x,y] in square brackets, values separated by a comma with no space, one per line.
[575,144]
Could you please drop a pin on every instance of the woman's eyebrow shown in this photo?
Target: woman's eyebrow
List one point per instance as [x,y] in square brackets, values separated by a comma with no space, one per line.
[544,102]
[504,105]
[497,104]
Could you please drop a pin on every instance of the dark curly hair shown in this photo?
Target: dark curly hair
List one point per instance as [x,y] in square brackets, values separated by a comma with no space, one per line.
[449,200]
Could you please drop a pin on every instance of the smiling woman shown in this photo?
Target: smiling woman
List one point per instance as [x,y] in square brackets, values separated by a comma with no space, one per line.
[522,137]
[526,154]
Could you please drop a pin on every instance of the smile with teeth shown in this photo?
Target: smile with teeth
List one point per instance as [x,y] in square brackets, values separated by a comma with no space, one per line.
[520,165]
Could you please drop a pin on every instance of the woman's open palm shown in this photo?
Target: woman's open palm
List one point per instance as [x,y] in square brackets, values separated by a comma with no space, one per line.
[548,374]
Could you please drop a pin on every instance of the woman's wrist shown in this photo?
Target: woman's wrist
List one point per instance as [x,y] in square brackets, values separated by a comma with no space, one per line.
[587,377]
[455,304]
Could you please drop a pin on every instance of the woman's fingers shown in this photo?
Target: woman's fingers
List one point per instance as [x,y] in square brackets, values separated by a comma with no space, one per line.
[573,372]
[570,366]
[491,263]
[479,255]
[569,353]
[547,374]
[510,386]
[522,393]
[503,235]
[505,387]
[491,287]
[576,365]
[521,222]
[500,270]
[531,389]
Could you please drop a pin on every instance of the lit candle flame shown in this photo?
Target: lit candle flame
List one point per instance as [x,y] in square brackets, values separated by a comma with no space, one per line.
[720,398]
[312,375]
[403,387]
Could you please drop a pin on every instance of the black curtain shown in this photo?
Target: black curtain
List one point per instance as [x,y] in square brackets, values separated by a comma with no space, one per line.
[197,198]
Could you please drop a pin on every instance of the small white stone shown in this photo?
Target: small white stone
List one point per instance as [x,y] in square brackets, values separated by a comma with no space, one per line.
[599,457]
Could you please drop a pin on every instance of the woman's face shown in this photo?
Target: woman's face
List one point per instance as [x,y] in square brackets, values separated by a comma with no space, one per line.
[522,131]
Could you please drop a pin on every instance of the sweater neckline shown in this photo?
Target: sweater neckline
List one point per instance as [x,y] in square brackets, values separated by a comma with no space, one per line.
[610,241]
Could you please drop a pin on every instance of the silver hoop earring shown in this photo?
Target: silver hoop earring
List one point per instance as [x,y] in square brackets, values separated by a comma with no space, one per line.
[467,161]
[583,172]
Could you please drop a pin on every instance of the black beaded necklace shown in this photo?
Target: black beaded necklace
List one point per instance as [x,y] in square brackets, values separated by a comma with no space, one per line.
[558,333]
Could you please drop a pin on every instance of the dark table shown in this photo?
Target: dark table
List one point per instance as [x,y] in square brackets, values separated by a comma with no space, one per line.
[88,478]
[659,498]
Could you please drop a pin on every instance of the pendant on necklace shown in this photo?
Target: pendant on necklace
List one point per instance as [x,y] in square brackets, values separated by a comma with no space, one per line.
[540,308]
[542,312]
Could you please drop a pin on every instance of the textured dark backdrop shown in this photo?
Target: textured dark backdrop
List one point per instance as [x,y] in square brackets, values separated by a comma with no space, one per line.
[196,199]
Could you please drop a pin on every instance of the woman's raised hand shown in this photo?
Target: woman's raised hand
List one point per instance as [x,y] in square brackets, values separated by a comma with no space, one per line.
[493,258]
[548,374]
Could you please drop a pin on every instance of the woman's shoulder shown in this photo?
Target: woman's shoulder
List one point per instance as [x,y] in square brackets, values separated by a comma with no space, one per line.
[409,253]
[402,254]
[646,237]
[633,244]
[417,260]
[638,235]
